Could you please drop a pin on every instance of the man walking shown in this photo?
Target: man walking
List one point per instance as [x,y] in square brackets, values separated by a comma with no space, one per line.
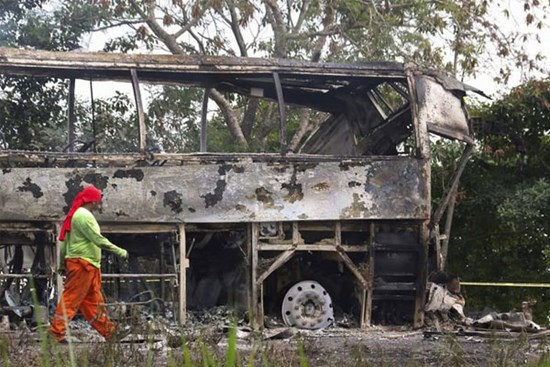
[81,246]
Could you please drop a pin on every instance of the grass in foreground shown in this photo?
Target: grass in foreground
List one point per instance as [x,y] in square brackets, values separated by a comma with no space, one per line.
[205,350]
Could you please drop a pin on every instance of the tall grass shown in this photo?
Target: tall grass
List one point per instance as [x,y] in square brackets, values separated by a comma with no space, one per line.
[40,327]
[302,353]
[185,351]
[231,347]
[150,351]
[194,350]
[5,351]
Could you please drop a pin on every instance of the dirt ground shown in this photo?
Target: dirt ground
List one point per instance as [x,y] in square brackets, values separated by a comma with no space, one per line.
[208,345]
[390,347]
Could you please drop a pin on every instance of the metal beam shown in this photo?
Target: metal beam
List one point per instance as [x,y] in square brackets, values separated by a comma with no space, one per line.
[280,261]
[140,112]
[204,115]
[58,260]
[282,112]
[351,266]
[182,275]
[177,68]
[310,247]
[256,301]
[71,116]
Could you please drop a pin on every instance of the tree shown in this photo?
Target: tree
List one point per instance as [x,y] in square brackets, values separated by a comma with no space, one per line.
[501,226]
[445,35]
[33,110]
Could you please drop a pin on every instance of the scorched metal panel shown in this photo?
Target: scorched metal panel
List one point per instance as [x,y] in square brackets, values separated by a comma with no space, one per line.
[236,191]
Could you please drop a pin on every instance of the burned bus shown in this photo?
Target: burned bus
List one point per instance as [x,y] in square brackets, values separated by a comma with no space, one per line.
[342,225]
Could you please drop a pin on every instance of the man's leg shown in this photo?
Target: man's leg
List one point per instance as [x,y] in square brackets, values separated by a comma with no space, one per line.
[94,310]
[76,287]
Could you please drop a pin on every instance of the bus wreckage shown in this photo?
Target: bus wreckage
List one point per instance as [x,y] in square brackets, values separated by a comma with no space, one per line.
[344,225]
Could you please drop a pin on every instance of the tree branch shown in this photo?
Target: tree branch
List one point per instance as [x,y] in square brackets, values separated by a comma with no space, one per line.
[230,117]
[186,28]
[302,129]
[118,24]
[335,29]
[234,23]
[328,21]
[157,29]
[302,16]
[328,25]
[175,48]
[199,41]
[250,116]
[275,17]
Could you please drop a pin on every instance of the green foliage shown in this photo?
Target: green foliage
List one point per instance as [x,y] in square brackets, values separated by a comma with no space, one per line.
[231,354]
[526,110]
[219,138]
[12,16]
[33,112]
[42,333]
[173,118]
[527,210]
[30,115]
[544,361]
[443,35]
[452,353]
[114,121]
[185,351]
[5,351]
[302,354]
[501,227]
[29,24]
[406,30]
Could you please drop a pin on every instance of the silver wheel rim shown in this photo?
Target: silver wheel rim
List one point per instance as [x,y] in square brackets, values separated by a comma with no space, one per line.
[307,305]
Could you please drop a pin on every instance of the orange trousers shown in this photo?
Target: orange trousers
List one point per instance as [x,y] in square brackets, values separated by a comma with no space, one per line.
[82,292]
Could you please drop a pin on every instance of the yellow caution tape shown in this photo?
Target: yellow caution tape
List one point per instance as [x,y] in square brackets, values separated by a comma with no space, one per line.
[489,284]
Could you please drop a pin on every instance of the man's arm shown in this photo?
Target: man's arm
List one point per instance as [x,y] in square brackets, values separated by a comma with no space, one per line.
[62,254]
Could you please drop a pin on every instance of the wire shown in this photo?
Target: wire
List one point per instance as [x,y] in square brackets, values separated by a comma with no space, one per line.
[491,284]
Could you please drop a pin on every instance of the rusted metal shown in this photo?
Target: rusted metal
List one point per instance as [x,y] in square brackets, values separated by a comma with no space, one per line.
[444,112]
[155,68]
[256,302]
[23,276]
[282,113]
[356,195]
[367,296]
[279,261]
[182,270]
[140,111]
[140,275]
[204,126]
[225,192]
[71,116]
[353,268]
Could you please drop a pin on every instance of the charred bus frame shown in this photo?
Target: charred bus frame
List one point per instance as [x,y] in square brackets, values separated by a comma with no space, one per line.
[351,209]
